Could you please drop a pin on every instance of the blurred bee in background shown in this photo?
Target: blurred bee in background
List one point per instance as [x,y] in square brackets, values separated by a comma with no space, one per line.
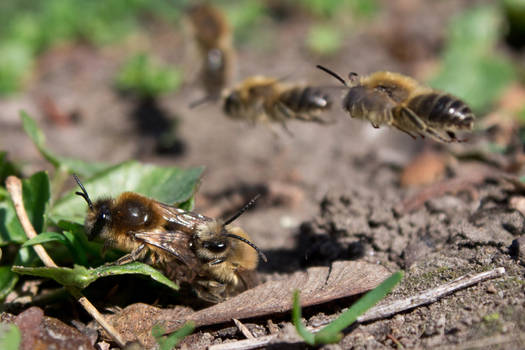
[263,99]
[216,259]
[213,37]
[386,98]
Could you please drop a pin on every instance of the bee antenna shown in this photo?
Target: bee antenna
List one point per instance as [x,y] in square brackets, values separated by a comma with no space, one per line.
[84,193]
[261,254]
[332,73]
[242,210]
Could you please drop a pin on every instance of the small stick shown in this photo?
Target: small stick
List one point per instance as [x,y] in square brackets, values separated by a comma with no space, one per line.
[379,312]
[429,296]
[244,330]
[14,187]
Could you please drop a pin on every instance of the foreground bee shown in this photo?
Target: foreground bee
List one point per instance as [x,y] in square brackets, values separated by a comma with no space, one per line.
[214,41]
[205,252]
[400,101]
[262,99]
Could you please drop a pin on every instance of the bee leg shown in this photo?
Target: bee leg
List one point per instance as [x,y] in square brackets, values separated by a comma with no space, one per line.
[410,117]
[436,135]
[131,257]
[210,290]
[283,116]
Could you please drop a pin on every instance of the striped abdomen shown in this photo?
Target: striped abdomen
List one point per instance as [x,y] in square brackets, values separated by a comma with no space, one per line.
[443,110]
[305,99]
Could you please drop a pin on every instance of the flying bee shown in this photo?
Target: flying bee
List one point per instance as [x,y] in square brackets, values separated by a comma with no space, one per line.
[213,37]
[263,99]
[214,258]
[386,98]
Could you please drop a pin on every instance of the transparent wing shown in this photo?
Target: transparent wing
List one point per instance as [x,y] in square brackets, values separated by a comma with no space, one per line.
[176,243]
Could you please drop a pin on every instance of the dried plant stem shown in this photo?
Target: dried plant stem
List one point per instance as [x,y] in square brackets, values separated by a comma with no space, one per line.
[244,330]
[427,297]
[14,187]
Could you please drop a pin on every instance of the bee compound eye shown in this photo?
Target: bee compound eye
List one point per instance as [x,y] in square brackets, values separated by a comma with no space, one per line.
[215,246]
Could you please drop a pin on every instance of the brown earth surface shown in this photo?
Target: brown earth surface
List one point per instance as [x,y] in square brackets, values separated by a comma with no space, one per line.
[329,192]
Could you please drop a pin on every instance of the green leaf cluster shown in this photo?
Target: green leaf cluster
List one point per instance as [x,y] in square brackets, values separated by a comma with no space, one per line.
[59,223]
[472,68]
[332,332]
[146,78]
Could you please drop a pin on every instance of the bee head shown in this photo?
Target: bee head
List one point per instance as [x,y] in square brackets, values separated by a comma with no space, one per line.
[213,241]
[99,214]
[232,103]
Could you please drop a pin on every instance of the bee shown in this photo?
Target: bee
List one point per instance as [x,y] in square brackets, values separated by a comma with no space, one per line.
[213,37]
[386,98]
[263,99]
[212,256]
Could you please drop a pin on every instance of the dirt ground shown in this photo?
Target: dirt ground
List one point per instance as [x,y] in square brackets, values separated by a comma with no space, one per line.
[329,192]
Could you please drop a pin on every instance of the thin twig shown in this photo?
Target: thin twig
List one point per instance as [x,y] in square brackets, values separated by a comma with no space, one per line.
[379,312]
[244,330]
[429,296]
[14,186]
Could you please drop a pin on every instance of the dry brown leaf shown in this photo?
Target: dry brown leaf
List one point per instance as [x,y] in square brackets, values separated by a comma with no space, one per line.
[317,285]
[426,168]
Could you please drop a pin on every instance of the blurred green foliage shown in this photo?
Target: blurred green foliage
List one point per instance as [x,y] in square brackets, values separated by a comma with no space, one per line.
[28,27]
[324,39]
[331,8]
[59,224]
[141,75]
[10,337]
[472,68]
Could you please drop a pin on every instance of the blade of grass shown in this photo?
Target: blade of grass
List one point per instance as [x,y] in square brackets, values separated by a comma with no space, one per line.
[308,337]
[170,341]
[332,331]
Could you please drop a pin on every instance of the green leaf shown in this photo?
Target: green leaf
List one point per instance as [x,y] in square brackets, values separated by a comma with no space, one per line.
[79,167]
[10,336]
[80,277]
[8,281]
[188,205]
[10,229]
[76,247]
[332,332]
[165,184]
[46,237]
[36,193]
[169,342]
